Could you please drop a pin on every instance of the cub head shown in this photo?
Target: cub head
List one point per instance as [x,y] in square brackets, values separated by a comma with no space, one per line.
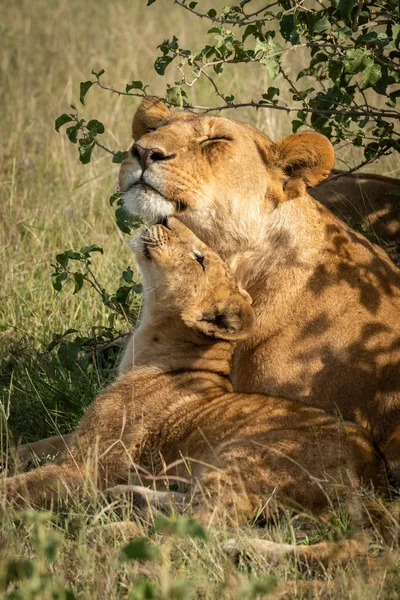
[222,178]
[185,281]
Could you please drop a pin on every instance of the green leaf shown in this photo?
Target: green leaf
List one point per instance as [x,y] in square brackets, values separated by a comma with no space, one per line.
[321,25]
[85,153]
[250,30]
[192,5]
[270,94]
[212,13]
[174,96]
[72,133]
[272,65]
[138,549]
[98,74]
[162,63]
[345,7]
[396,35]
[51,546]
[137,288]
[68,352]
[119,157]
[150,2]
[335,69]
[61,120]
[78,278]
[114,197]
[296,125]
[371,150]
[58,280]
[142,589]
[87,250]
[180,527]
[84,88]
[355,58]
[95,126]
[372,73]
[127,275]
[18,569]
[135,85]
[64,257]
[122,294]
[287,26]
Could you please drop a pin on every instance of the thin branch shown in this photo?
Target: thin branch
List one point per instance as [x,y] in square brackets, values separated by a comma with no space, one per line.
[386,63]
[119,92]
[104,147]
[391,114]
[366,162]
[288,109]
[245,20]
[354,25]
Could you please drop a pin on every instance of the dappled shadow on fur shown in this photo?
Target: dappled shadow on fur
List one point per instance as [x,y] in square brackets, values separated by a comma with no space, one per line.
[342,351]
[373,277]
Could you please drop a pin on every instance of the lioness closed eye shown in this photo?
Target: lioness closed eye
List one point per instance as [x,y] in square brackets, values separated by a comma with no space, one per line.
[326,300]
[175,406]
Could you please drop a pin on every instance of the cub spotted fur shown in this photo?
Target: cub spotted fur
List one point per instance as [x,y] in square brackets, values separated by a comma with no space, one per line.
[173,414]
[326,300]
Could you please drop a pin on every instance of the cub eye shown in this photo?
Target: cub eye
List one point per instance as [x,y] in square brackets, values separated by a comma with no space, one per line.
[200,259]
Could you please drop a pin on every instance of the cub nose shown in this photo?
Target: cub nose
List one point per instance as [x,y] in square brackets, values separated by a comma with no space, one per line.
[146,156]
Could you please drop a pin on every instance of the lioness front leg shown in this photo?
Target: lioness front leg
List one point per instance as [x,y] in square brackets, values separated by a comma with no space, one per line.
[45,486]
[86,468]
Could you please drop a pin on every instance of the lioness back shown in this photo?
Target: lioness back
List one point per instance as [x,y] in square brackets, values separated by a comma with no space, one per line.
[363,199]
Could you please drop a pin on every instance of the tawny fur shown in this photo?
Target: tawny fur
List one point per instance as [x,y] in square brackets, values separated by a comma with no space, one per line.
[326,300]
[365,199]
[173,415]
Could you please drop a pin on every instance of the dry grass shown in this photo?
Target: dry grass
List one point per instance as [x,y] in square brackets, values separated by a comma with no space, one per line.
[50,202]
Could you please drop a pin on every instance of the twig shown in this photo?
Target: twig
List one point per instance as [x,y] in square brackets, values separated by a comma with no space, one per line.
[119,92]
[393,114]
[245,20]
[104,147]
[359,166]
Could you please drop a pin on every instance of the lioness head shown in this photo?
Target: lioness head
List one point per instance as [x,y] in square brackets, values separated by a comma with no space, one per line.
[217,175]
[186,281]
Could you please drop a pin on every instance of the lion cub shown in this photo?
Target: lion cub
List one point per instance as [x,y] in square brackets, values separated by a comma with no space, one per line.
[173,414]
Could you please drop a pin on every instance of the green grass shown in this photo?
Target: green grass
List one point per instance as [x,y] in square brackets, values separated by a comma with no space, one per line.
[49,202]
[81,550]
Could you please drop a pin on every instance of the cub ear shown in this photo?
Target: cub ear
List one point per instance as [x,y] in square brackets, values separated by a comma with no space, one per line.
[151,114]
[232,319]
[306,159]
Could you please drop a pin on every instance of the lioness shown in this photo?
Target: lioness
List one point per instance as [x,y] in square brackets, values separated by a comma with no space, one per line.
[326,300]
[365,199]
[176,406]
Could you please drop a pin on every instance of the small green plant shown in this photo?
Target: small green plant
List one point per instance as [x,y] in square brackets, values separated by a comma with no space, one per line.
[33,578]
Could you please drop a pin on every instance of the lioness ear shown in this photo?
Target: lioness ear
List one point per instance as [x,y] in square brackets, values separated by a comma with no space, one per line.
[306,159]
[229,320]
[151,113]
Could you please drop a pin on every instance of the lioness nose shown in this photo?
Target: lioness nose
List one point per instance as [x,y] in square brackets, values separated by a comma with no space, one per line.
[146,156]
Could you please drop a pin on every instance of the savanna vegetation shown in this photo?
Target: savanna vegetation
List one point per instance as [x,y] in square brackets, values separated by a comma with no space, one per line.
[69,285]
